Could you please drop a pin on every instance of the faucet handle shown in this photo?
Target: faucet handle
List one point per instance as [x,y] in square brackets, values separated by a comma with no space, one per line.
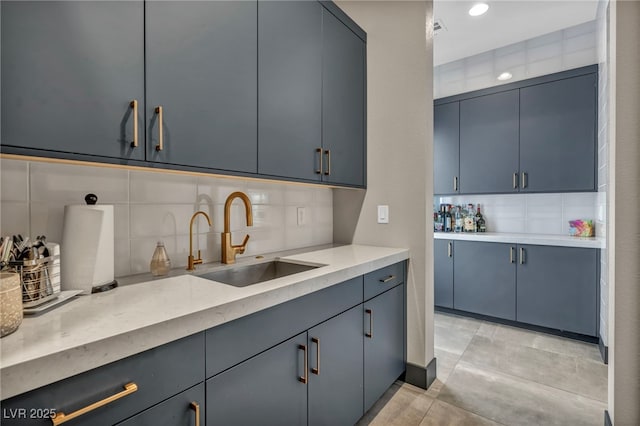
[242,247]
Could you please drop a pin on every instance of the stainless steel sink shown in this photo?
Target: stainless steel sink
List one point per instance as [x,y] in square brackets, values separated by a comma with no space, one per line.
[242,276]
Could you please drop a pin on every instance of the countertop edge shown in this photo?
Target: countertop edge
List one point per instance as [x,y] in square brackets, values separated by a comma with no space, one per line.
[34,373]
[533,239]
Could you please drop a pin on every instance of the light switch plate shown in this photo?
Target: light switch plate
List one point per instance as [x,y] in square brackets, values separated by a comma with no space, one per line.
[383,214]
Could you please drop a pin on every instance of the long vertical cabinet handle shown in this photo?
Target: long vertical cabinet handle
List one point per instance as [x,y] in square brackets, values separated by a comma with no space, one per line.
[134,106]
[370,333]
[524,179]
[522,253]
[515,180]
[305,377]
[160,145]
[319,169]
[196,407]
[316,370]
[511,249]
[455,184]
[450,249]
[328,154]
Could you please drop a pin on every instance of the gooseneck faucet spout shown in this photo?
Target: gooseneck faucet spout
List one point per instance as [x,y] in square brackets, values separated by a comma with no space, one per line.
[191,262]
[229,251]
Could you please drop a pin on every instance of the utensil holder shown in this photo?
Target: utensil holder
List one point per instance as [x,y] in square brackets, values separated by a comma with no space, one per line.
[38,278]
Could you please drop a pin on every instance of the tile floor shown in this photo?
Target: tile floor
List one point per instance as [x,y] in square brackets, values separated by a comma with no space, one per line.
[491,374]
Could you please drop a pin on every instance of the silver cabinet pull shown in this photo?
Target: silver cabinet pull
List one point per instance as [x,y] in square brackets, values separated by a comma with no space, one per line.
[524,179]
[450,249]
[455,183]
[515,180]
[386,280]
[370,333]
[511,249]
[522,253]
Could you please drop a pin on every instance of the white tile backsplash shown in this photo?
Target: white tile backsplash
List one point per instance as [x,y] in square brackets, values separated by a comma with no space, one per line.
[152,206]
[529,213]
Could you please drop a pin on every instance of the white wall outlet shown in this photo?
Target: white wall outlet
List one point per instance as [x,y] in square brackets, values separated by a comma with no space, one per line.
[302,216]
[383,214]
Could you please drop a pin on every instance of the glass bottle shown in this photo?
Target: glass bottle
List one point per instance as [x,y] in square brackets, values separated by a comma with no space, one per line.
[160,262]
[459,220]
[469,219]
[480,222]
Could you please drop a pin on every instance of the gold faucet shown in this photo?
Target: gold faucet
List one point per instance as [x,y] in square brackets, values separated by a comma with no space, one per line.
[229,251]
[191,261]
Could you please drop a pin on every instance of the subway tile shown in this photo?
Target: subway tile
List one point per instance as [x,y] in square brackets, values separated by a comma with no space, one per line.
[121,221]
[265,193]
[298,196]
[586,41]
[14,178]
[543,226]
[580,58]
[162,188]
[298,237]
[322,216]
[14,218]
[160,220]
[544,66]
[122,257]
[322,235]
[215,190]
[47,219]
[264,241]
[68,184]
[142,250]
[268,216]
[323,197]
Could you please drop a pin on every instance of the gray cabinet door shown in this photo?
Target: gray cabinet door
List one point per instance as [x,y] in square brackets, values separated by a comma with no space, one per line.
[289,88]
[489,143]
[446,148]
[178,410]
[383,343]
[485,279]
[558,135]
[343,103]
[201,68]
[335,370]
[558,287]
[443,272]
[69,73]
[264,390]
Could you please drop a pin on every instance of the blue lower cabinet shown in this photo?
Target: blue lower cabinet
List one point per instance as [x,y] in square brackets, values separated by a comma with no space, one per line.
[383,343]
[335,370]
[180,410]
[268,389]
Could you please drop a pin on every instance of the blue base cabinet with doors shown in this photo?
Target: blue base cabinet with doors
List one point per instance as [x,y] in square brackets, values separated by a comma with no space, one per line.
[271,89]
[320,359]
[519,137]
[547,286]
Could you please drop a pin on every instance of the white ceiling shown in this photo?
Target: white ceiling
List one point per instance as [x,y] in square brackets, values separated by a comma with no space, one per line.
[506,22]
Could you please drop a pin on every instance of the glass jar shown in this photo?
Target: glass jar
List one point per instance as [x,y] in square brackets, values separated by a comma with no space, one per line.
[160,263]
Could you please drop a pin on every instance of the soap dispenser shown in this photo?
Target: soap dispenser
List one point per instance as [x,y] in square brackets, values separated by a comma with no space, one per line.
[160,262]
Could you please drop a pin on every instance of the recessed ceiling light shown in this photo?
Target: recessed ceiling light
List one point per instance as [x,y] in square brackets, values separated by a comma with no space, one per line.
[478,9]
[505,76]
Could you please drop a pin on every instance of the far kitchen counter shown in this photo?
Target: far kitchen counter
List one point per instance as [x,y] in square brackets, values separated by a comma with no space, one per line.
[105,327]
[516,238]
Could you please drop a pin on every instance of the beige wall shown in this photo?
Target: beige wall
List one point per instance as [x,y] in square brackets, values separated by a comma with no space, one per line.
[399,153]
[624,327]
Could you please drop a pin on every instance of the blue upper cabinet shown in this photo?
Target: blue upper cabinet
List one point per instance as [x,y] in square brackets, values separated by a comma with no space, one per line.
[446,148]
[70,71]
[289,88]
[343,104]
[489,143]
[201,69]
[558,135]
[536,135]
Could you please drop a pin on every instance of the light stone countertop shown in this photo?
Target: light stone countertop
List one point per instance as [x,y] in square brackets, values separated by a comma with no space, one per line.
[534,239]
[97,329]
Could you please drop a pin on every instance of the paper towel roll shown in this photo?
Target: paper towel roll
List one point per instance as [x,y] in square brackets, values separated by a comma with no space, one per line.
[87,249]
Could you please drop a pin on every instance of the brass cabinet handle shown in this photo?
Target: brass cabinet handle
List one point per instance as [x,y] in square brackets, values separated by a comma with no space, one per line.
[60,417]
[389,278]
[304,378]
[160,145]
[316,370]
[511,254]
[319,169]
[134,105]
[455,183]
[515,180]
[524,179]
[522,253]
[196,407]
[450,249]
[370,333]
[328,154]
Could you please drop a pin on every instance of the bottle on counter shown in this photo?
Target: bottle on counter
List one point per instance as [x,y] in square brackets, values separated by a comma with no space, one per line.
[470,219]
[160,262]
[459,222]
[448,219]
[481,225]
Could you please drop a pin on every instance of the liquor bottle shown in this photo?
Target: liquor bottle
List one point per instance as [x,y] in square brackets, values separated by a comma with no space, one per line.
[447,220]
[480,222]
[469,219]
[459,223]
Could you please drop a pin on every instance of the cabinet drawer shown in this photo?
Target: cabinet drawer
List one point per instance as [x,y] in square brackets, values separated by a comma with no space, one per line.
[177,410]
[379,281]
[233,342]
[159,373]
